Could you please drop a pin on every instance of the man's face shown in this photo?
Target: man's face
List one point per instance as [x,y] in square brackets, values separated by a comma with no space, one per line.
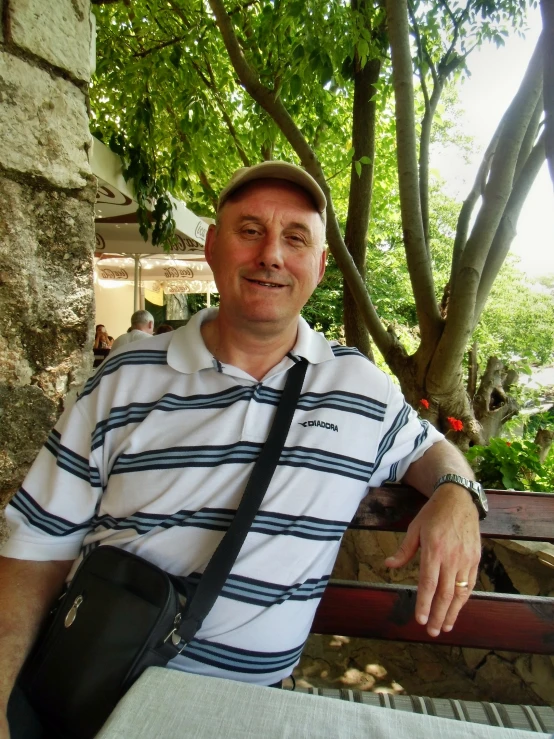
[267,253]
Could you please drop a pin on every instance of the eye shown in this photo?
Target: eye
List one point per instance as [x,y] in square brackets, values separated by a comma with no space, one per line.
[296,239]
[250,232]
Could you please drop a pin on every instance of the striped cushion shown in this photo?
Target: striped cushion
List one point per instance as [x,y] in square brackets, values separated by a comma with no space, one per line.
[530,718]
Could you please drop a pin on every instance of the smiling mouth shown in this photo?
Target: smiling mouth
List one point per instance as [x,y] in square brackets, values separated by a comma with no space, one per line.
[264,284]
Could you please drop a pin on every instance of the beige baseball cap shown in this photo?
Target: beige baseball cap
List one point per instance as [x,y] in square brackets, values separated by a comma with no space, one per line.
[277,171]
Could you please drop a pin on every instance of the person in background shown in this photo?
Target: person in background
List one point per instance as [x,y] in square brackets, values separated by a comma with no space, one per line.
[142,327]
[163,329]
[101,338]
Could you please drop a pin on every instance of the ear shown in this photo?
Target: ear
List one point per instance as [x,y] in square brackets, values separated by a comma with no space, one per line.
[209,244]
[322,265]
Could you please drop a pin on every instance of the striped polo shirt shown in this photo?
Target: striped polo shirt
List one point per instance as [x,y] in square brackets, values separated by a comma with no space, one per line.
[155,454]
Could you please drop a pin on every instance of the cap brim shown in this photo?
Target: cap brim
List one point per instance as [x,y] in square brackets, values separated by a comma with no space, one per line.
[277,171]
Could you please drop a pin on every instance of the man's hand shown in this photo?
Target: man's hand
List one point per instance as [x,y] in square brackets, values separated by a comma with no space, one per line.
[447,531]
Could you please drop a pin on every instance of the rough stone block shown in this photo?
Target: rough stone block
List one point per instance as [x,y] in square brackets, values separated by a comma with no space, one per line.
[57,31]
[46,304]
[44,125]
[473,657]
[538,673]
[497,678]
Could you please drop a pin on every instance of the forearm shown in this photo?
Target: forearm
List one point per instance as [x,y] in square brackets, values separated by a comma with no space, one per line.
[441,459]
[27,590]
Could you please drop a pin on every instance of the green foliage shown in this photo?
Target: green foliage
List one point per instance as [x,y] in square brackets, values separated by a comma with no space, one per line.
[505,465]
[323,311]
[514,463]
[517,321]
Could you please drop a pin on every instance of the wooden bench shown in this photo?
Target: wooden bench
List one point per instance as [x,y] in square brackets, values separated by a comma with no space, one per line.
[490,620]
[505,621]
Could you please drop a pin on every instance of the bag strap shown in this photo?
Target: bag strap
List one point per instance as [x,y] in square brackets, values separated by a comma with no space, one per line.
[223,559]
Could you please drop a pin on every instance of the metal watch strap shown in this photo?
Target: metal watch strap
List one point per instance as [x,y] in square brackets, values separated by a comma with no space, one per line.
[473,487]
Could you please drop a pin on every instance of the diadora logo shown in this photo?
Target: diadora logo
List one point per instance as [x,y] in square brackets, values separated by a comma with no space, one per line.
[321,424]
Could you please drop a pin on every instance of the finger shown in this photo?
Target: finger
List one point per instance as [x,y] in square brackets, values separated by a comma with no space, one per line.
[407,549]
[442,600]
[461,597]
[429,571]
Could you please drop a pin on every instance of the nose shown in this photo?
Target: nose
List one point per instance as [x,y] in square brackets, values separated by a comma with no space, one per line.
[271,254]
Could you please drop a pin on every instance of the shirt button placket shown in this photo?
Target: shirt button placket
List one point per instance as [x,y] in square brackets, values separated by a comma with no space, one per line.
[251,429]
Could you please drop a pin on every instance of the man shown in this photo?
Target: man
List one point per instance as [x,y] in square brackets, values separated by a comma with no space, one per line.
[142,327]
[157,450]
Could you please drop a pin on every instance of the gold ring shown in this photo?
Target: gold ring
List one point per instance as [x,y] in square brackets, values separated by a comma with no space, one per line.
[461,583]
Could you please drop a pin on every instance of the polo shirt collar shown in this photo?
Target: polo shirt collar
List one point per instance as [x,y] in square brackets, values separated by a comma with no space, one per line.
[187,352]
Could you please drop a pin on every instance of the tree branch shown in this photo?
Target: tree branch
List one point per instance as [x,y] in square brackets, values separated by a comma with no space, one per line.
[361,188]
[547,13]
[419,263]
[420,54]
[273,105]
[163,45]
[447,361]
[475,193]
[530,137]
[507,227]
[226,116]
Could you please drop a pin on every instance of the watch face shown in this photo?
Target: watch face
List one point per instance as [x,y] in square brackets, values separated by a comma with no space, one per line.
[481,497]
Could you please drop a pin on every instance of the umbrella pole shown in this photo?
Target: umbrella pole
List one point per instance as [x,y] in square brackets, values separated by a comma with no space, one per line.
[208,298]
[136,292]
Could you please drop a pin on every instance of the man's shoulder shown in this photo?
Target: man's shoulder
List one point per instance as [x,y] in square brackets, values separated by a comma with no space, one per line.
[137,334]
[127,358]
[120,341]
[340,350]
[352,371]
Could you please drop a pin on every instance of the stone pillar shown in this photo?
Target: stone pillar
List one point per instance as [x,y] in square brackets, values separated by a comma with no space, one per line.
[47,194]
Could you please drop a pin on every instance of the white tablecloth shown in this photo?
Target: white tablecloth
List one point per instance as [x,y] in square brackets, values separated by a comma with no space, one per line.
[166,704]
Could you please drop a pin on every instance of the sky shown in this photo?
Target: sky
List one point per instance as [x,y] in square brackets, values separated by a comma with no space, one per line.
[495,78]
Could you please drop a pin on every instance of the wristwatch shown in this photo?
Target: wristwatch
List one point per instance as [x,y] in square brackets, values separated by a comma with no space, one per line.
[475,489]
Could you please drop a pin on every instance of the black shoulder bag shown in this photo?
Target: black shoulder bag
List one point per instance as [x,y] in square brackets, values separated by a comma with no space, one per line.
[122,614]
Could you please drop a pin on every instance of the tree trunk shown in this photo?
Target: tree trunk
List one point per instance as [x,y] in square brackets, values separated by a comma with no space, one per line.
[473,370]
[544,439]
[492,405]
[359,203]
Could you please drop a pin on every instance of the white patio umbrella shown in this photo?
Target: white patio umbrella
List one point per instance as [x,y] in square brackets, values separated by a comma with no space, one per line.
[118,240]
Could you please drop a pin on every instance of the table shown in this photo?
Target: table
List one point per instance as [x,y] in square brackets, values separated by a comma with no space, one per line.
[166,704]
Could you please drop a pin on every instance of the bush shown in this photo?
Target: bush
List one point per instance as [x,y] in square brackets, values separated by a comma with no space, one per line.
[512,465]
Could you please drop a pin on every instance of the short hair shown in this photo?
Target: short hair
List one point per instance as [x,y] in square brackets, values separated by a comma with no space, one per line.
[164,328]
[141,317]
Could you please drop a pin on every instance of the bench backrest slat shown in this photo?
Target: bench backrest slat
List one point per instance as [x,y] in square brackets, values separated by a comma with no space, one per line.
[488,621]
[513,515]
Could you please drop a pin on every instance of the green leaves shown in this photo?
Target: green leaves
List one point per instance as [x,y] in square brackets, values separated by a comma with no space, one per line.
[295,85]
[509,465]
[358,164]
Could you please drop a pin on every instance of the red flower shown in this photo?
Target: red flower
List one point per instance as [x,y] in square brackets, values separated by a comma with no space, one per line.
[508,443]
[424,403]
[455,423]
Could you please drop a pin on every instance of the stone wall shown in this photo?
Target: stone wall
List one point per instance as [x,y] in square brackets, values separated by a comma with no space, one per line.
[47,197]
[435,671]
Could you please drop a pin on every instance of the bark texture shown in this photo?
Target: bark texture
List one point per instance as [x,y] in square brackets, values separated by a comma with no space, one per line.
[359,202]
